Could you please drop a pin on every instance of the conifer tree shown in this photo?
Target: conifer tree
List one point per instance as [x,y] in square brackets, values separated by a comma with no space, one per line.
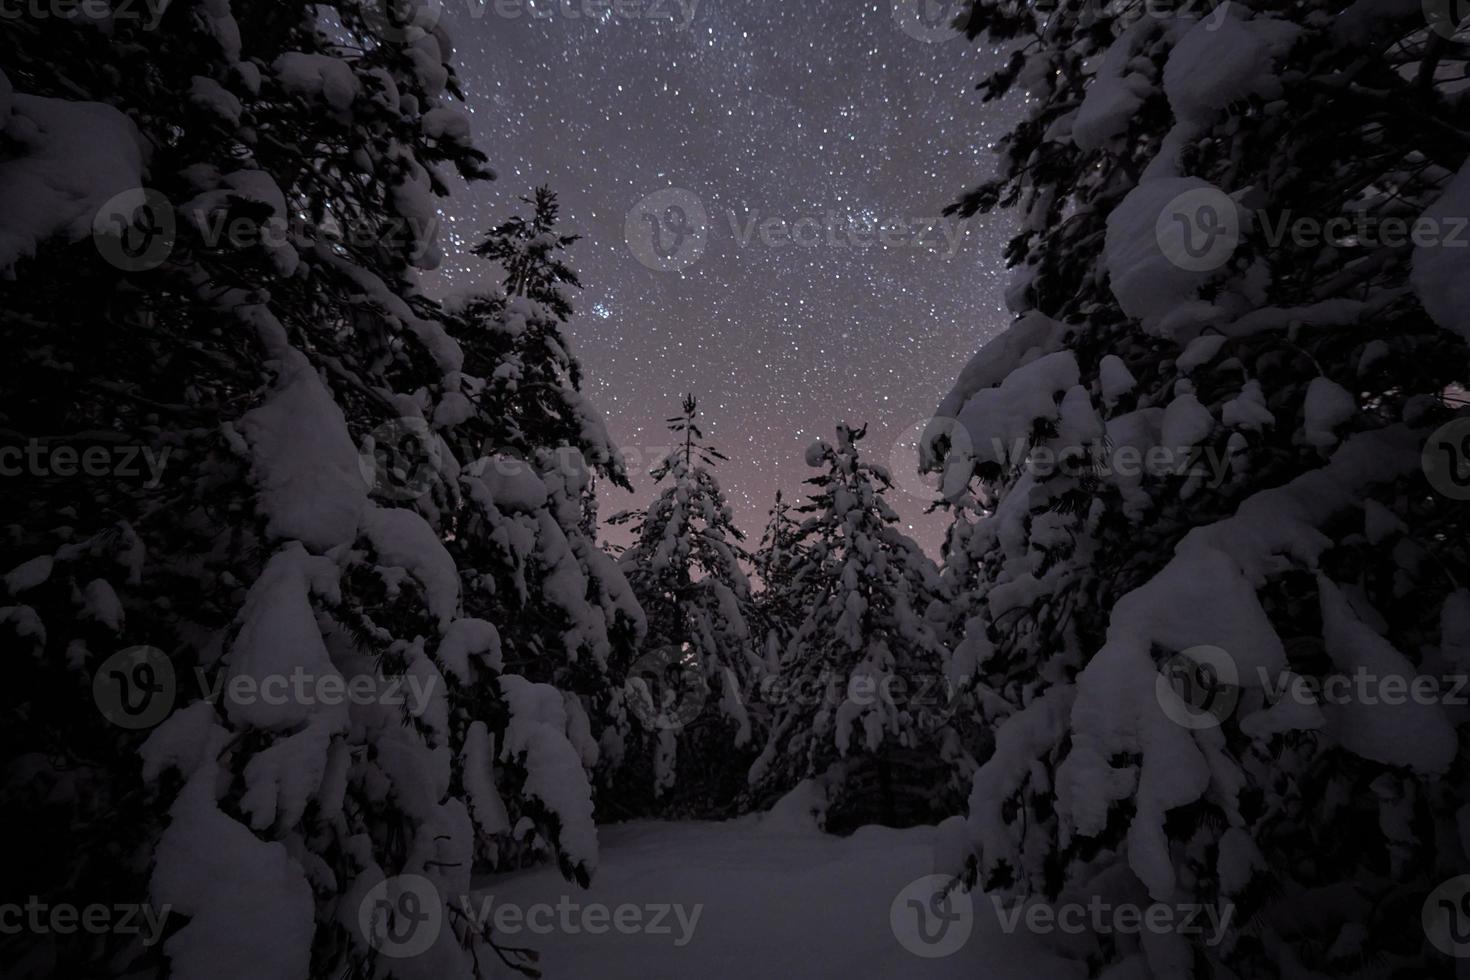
[529,250]
[1198,450]
[779,606]
[215,269]
[568,611]
[685,569]
[859,703]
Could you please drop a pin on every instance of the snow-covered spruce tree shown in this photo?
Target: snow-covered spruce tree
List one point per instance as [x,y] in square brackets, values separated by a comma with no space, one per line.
[532,420]
[860,703]
[684,566]
[1198,448]
[248,326]
[530,251]
[779,608]
[522,535]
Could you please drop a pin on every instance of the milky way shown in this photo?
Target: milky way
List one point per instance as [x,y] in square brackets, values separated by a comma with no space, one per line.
[822,141]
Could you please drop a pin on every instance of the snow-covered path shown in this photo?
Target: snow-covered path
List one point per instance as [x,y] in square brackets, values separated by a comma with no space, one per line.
[771,903]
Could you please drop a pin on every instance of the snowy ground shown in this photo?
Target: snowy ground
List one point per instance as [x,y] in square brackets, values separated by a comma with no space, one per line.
[778,903]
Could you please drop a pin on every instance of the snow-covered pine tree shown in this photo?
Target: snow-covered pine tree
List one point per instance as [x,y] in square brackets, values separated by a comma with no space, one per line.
[860,703]
[249,325]
[685,568]
[1199,450]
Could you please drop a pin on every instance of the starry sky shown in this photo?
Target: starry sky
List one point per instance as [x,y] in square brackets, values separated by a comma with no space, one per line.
[839,120]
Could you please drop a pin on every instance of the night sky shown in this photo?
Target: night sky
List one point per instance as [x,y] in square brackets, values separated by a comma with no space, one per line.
[832,115]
